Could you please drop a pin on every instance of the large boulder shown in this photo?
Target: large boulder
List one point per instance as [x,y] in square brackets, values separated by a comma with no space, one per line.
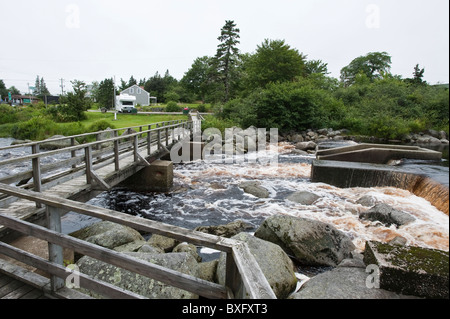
[387,215]
[227,231]
[50,145]
[304,198]
[343,283]
[108,234]
[309,241]
[144,286]
[276,266]
[255,189]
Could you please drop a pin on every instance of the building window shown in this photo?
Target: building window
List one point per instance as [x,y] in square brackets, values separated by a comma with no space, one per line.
[138,91]
[132,91]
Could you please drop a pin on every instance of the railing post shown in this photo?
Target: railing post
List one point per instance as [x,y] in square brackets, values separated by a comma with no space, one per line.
[36,162]
[149,140]
[55,252]
[136,146]
[233,280]
[88,160]
[73,153]
[116,155]
[159,136]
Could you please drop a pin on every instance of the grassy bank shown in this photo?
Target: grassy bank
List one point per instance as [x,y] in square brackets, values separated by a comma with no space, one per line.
[39,127]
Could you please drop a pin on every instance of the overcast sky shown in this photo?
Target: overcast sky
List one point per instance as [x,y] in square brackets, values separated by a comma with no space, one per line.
[91,40]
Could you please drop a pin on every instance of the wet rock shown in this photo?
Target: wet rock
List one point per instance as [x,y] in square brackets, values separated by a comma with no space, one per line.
[273,261]
[182,262]
[306,146]
[367,200]
[188,248]
[254,188]
[228,230]
[387,215]
[304,198]
[309,241]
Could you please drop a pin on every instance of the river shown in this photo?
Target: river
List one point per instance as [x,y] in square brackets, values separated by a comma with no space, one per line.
[208,193]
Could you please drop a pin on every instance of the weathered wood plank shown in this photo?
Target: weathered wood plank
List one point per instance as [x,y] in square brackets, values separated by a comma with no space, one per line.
[153,271]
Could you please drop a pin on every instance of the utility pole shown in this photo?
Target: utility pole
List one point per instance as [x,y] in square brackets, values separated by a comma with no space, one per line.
[62,86]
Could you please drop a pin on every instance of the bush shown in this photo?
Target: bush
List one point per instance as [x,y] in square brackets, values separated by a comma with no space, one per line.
[100,126]
[173,107]
[38,128]
[7,114]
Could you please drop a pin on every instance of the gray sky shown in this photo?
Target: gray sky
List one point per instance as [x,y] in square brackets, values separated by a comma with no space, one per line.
[91,40]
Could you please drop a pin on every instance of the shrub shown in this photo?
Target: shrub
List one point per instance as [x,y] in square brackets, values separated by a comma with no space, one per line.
[173,107]
[100,125]
[7,114]
[38,128]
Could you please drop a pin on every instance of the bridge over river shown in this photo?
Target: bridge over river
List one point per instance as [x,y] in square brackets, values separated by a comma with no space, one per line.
[32,202]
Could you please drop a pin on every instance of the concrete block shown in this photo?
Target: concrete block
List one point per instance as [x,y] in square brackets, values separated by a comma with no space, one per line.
[410,270]
[158,177]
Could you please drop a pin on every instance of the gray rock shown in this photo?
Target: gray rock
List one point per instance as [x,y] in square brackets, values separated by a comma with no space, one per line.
[54,145]
[309,241]
[273,261]
[255,189]
[182,262]
[227,231]
[207,271]
[304,198]
[306,146]
[165,243]
[367,200]
[108,234]
[387,215]
[343,283]
[188,248]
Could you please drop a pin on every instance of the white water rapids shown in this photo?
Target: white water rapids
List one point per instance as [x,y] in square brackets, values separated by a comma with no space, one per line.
[208,193]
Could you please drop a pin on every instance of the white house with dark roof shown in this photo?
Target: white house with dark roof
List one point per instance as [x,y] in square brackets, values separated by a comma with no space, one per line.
[142,96]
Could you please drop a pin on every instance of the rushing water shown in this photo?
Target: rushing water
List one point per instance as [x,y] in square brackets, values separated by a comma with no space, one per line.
[208,193]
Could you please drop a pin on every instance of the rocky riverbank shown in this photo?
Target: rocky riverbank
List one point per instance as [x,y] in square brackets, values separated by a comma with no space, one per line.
[279,245]
[307,141]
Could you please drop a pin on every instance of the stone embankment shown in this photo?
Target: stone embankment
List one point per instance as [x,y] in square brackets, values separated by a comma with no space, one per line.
[280,243]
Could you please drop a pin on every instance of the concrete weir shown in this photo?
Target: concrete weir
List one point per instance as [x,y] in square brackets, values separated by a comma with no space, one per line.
[364,166]
[377,153]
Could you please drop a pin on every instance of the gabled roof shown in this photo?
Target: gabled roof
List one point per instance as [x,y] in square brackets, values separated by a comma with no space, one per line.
[137,86]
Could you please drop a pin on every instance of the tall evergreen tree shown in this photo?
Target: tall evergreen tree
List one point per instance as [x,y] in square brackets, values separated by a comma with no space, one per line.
[37,86]
[227,54]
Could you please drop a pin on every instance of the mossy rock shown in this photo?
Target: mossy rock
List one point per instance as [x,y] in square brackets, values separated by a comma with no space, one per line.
[410,270]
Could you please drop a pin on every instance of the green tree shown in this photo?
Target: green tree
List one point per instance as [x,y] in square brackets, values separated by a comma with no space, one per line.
[3,90]
[197,80]
[374,65]
[417,76]
[274,61]
[105,94]
[227,55]
[316,66]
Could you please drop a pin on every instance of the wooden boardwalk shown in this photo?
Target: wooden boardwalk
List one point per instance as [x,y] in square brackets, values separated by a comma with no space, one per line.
[11,288]
[27,194]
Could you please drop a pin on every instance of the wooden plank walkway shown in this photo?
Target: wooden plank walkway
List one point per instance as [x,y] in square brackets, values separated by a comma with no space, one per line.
[11,288]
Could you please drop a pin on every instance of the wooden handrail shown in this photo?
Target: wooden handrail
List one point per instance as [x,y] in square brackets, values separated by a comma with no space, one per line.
[248,274]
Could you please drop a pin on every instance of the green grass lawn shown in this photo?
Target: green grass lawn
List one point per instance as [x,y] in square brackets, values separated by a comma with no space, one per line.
[128,120]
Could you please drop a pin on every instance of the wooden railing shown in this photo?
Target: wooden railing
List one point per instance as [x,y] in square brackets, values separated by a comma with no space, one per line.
[84,159]
[244,278]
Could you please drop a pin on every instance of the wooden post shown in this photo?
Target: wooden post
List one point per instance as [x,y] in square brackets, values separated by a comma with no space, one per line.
[149,141]
[55,252]
[136,146]
[116,155]
[36,172]
[159,136]
[88,160]
[233,280]
[73,153]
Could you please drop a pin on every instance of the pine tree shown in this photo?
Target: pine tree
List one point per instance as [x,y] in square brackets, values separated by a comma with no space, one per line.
[43,88]
[37,87]
[227,54]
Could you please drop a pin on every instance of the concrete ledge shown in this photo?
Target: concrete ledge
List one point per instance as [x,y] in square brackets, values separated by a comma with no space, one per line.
[377,153]
[158,177]
[410,270]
